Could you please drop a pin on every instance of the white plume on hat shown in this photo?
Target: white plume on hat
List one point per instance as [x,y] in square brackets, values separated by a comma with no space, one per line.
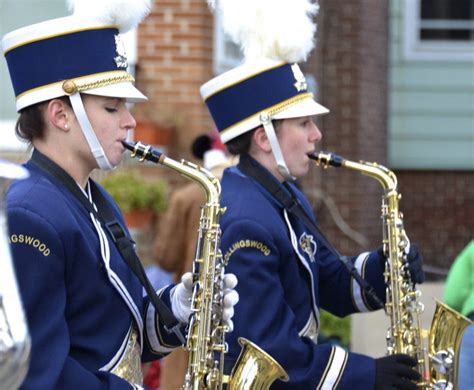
[281,30]
[125,14]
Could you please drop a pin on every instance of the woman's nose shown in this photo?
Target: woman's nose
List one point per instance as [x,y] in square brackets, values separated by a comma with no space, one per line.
[316,135]
[129,121]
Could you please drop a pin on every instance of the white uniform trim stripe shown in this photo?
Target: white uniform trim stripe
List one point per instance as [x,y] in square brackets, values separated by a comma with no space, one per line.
[114,279]
[152,332]
[307,326]
[294,242]
[356,290]
[334,370]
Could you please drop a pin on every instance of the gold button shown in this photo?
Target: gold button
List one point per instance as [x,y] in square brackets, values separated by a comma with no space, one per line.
[69,87]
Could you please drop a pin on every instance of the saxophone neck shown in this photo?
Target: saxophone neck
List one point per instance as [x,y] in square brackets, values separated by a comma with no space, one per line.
[204,178]
[383,175]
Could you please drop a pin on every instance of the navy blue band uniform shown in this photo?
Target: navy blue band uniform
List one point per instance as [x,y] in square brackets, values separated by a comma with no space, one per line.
[91,326]
[285,276]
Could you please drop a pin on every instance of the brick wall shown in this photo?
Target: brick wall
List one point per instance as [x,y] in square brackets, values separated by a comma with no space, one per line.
[175,58]
[439,212]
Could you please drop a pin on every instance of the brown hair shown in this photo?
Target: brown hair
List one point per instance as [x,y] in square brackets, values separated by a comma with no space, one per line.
[241,144]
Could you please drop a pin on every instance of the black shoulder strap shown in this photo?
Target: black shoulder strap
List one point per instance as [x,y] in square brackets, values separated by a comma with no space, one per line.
[107,218]
[285,195]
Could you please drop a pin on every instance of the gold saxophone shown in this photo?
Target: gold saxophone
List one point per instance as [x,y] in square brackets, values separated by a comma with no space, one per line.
[437,364]
[15,341]
[254,369]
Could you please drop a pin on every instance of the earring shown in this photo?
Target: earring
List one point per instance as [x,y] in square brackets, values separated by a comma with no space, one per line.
[66,126]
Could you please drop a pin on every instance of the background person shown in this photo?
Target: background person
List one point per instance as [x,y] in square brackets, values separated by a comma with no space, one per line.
[459,294]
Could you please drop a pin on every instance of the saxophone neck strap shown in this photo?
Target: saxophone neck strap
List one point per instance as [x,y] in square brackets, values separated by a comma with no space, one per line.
[285,195]
[105,215]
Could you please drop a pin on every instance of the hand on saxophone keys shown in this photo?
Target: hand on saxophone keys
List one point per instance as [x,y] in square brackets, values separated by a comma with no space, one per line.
[182,293]
[415,264]
[396,371]
[181,298]
[414,261]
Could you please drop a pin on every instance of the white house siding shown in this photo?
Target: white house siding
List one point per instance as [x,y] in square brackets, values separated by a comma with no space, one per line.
[431,106]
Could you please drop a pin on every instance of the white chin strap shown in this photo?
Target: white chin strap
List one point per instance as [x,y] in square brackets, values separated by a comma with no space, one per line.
[89,133]
[276,150]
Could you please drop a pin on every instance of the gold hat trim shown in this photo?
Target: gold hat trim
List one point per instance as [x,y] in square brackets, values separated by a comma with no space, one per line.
[272,110]
[85,83]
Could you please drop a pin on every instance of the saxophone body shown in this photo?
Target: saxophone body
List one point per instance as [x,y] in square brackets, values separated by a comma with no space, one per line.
[255,369]
[437,362]
[15,341]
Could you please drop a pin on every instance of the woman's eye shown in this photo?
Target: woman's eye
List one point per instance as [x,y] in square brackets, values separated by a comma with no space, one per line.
[111,109]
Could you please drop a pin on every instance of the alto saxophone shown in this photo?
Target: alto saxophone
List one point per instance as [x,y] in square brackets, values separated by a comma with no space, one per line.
[15,341]
[255,369]
[437,363]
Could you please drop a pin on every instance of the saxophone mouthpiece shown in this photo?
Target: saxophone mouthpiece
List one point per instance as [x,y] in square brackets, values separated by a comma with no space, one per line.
[145,152]
[327,159]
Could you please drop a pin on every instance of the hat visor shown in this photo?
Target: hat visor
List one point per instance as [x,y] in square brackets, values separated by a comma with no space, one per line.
[307,107]
[125,90]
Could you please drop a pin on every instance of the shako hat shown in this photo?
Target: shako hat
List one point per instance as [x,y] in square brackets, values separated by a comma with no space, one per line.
[274,35]
[78,53]
[240,99]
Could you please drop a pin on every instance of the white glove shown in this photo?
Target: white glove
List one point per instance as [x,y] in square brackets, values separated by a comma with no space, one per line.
[181,298]
[182,293]
[231,297]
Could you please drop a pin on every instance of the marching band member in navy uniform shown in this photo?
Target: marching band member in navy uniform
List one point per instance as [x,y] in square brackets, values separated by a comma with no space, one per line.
[286,273]
[90,325]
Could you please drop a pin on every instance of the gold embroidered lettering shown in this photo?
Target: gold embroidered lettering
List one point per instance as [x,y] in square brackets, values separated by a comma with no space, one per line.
[246,244]
[29,240]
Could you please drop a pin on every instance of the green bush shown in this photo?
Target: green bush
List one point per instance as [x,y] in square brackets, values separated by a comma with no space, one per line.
[335,327]
[131,190]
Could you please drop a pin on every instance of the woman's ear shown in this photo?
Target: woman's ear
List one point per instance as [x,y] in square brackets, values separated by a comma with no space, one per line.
[59,114]
[261,140]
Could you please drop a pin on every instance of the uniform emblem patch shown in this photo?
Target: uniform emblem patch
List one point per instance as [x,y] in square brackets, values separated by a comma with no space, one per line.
[309,246]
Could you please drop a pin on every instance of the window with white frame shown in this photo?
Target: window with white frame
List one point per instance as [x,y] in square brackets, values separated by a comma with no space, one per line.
[439,29]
